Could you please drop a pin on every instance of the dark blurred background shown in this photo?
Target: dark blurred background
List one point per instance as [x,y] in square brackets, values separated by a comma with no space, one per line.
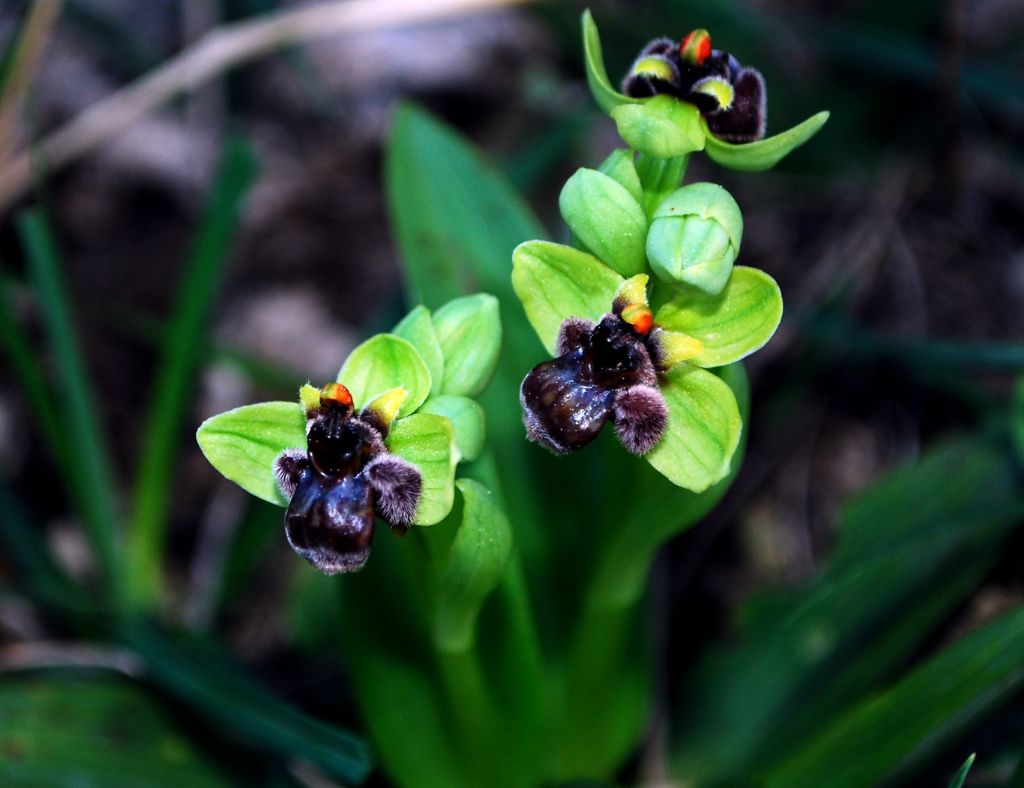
[897,236]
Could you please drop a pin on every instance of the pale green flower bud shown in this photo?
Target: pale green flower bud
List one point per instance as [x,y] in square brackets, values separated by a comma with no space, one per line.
[695,237]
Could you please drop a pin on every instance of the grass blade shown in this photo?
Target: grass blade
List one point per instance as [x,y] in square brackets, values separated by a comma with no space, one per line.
[221,691]
[183,349]
[961,775]
[92,478]
[886,735]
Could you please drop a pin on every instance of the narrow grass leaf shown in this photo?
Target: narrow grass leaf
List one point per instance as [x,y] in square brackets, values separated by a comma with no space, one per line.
[183,349]
[888,734]
[94,486]
[222,691]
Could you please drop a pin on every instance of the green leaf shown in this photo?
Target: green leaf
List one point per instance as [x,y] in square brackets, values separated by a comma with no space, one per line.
[454,216]
[1017,419]
[174,381]
[473,568]
[663,127]
[384,362]
[621,167]
[763,154]
[59,731]
[731,325]
[469,330]
[417,328]
[198,673]
[911,549]
[597,76]
[961,775]
[243,443]
[886,735]
[607,219]
[467,420]
[703,429]
[555,282]
[427,442]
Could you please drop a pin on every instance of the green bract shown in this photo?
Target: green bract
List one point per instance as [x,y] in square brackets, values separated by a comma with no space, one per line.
[474,566]
[435,426]
[620,167]
[695,237]
[651,126]
[607,219]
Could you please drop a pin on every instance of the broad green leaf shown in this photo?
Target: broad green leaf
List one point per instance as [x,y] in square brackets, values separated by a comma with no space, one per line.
[427,442]
[243,443]
[663,127]
[961,775]
[607,219]
[469,331]
[703,429]
[597,76]
[417,328]
[730,325]
[621,167]
[887,734]
[467,420]
[199,674]
[384,362]
[555,282]
[455,217]
[763,154]
[474,566]
[60,731]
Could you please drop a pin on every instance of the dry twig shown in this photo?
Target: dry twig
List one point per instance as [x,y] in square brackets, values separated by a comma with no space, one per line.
[214,54]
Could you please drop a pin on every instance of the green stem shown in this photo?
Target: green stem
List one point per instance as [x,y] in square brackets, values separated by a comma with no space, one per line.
[659,177]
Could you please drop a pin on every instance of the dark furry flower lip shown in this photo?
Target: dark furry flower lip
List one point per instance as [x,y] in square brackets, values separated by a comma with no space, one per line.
[605,372]
[732,98]
[342,481]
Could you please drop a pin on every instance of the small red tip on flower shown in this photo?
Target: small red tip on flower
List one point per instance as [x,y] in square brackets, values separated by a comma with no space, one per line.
[695,48]
[335,392]
[639,316]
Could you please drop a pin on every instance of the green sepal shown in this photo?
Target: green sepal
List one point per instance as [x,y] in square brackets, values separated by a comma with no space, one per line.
[695,237]
[467,419]
[763,154]
[703,431]
[474,566]
[555,282]
[427,441]
[382,363]
[607,97]
[243,443]
[469,331]
[662,127]
[417,328]
[607,219]
[620,166]
[730,325]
